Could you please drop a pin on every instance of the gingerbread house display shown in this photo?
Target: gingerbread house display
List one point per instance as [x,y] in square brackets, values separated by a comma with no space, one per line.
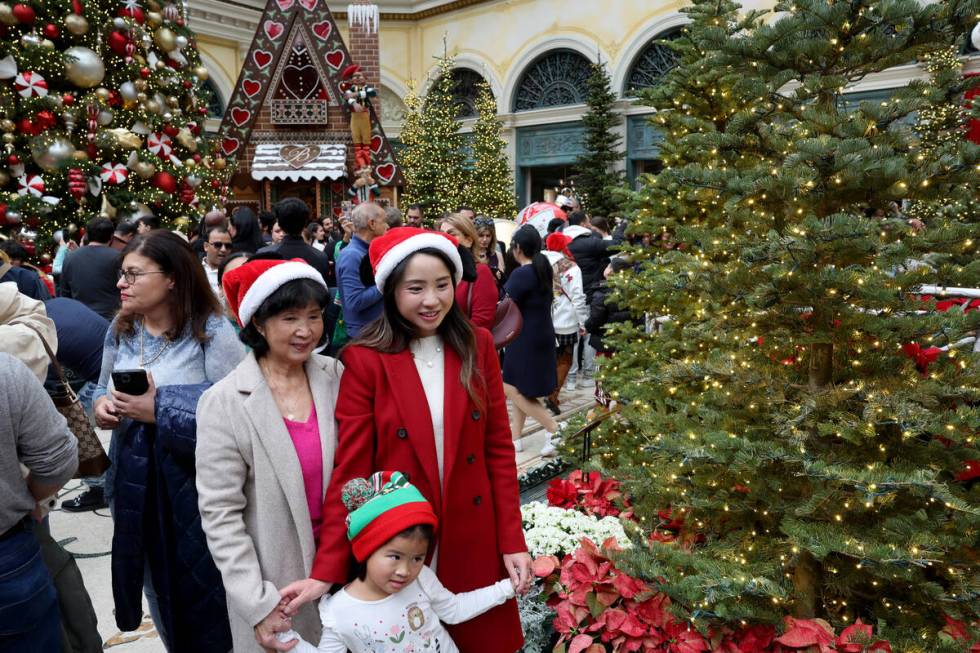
[304,118]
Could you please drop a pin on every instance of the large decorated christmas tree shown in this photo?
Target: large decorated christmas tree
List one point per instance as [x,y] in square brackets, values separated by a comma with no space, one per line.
[432,156]
[598,178]
[800,433]
[490,190]
[102,112]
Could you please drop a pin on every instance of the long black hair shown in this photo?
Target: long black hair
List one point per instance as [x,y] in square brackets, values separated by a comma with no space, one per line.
[248,234]
[391,332]
[528,240]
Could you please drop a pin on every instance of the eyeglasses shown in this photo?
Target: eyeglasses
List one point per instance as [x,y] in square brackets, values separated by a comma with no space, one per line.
[132,277]
[220,245]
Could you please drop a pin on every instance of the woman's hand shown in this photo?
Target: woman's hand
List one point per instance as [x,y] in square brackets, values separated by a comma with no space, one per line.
[302,591]
[106,415]
[141,408]
[275,622]
[518,565]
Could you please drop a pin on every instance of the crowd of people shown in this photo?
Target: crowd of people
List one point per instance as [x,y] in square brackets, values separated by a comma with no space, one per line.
[294,405]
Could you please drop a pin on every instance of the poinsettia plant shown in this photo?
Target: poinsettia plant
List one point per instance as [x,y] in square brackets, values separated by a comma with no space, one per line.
[588,492]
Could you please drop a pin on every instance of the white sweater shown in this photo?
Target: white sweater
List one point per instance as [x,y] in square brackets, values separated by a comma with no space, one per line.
[568,310]
[409,620]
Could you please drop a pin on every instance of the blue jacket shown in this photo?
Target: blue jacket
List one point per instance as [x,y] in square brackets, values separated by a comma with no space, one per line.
[361,305]
[157,521]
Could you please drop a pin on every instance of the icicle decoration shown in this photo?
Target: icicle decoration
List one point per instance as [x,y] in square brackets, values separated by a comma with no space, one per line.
[363,16]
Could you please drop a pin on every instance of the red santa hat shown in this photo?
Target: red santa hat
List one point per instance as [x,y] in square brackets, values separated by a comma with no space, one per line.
[246,287]
[386,252]
[558,242]
[350,71]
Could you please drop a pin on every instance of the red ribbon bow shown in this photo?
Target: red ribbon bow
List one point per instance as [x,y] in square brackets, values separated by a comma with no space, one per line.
[921,357]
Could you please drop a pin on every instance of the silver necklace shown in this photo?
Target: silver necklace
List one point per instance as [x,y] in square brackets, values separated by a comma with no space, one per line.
[166,344]
[417,354]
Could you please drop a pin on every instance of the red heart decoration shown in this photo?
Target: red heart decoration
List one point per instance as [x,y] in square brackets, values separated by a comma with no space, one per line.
[376,143]
[322,30]
[337,211]
[240,116]
[229,145]
[273,29]
[335,58]
[385,172]
[251,87]
[261,58]
[308,4]
[284,4]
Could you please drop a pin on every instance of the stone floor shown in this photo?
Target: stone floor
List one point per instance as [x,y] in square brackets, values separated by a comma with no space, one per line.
[88,536]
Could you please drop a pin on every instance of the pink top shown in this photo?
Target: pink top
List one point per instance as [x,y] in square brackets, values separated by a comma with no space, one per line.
[306,440]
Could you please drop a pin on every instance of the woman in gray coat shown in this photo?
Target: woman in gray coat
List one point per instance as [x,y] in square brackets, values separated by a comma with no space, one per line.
[265,448]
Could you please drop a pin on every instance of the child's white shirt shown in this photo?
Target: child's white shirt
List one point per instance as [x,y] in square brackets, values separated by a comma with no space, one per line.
[407,621]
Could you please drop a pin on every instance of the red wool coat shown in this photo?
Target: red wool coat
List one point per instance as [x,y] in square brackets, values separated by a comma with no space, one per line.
[484,296]
[384,424]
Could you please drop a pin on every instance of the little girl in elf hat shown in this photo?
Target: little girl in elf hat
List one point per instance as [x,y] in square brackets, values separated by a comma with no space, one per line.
[396,603]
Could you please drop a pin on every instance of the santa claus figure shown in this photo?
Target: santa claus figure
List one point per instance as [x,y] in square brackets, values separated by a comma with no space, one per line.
[357,94]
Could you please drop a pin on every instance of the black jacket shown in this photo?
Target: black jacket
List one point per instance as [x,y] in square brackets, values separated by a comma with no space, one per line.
[602,314]
[592,253]
[157,522]
[295,247]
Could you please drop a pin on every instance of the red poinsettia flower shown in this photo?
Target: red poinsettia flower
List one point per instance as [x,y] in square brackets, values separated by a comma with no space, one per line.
[803,633]
[859,638]
[956,629]
[683,639]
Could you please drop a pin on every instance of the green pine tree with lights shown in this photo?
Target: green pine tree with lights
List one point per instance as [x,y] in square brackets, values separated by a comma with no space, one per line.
[409,155]
[789,410]
[432,159]
[598,180]
[940,125]
[102,113]
[490,190]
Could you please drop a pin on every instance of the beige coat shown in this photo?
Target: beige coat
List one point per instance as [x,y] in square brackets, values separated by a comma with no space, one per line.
[250,485]
[22,321]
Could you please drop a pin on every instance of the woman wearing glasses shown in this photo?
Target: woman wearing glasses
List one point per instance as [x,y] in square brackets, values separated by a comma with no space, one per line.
[169,325]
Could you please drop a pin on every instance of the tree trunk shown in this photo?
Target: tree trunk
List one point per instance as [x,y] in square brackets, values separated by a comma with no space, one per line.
[821,365]
[806,583]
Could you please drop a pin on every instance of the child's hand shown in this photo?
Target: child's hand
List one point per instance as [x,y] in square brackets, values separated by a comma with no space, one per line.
[518,566]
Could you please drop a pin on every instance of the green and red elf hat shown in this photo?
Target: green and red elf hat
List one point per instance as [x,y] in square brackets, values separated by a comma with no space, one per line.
[381,507]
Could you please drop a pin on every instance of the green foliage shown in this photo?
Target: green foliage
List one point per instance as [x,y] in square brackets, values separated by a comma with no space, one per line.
[432,160]
[490,190]
[597,179]
[775,411]
[50,133]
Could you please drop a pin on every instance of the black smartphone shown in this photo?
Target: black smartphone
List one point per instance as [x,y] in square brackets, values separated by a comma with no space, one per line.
[132,382]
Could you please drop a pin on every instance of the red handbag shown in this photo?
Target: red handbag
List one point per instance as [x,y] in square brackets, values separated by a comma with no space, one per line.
[507,323]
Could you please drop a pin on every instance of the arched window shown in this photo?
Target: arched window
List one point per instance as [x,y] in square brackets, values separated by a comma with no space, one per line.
[466,86]
[655,61]
[555,79]
[211,95]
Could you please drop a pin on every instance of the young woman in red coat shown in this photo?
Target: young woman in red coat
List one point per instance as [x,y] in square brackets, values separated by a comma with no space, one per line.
[422,394]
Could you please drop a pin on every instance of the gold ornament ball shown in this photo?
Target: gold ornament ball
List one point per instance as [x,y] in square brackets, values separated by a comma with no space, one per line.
[7,125]
[220,163]
[9,138]
[4,178]
[102,94]
[76,24]
[84,67]
[81,156]
[7,14]
[161,64]
[152,106]
[140,85]
[47,44]
[154,19]
[72,228]
[172,101]
[141,97]
[201,73]
[165,38]
[153,5]
[190,163]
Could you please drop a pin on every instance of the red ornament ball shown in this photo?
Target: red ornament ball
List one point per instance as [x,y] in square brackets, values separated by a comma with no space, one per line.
[135,13]
[188,83]
[170,131]
[13,159]
[24,14]
[51,31]
[145,72]
[3,215]
[117,43]
[215,184]
[45,259]
[196,157]
[165,182]
[115,99]
[68,99]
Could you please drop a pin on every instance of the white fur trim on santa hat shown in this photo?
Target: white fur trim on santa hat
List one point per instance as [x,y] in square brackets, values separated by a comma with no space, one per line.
[270,281]
[409,246]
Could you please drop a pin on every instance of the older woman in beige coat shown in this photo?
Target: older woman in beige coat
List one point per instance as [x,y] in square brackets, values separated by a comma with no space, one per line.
[265,449]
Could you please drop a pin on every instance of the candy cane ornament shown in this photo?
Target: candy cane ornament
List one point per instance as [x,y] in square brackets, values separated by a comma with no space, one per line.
[30,184]
[30,84]
[113,173]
